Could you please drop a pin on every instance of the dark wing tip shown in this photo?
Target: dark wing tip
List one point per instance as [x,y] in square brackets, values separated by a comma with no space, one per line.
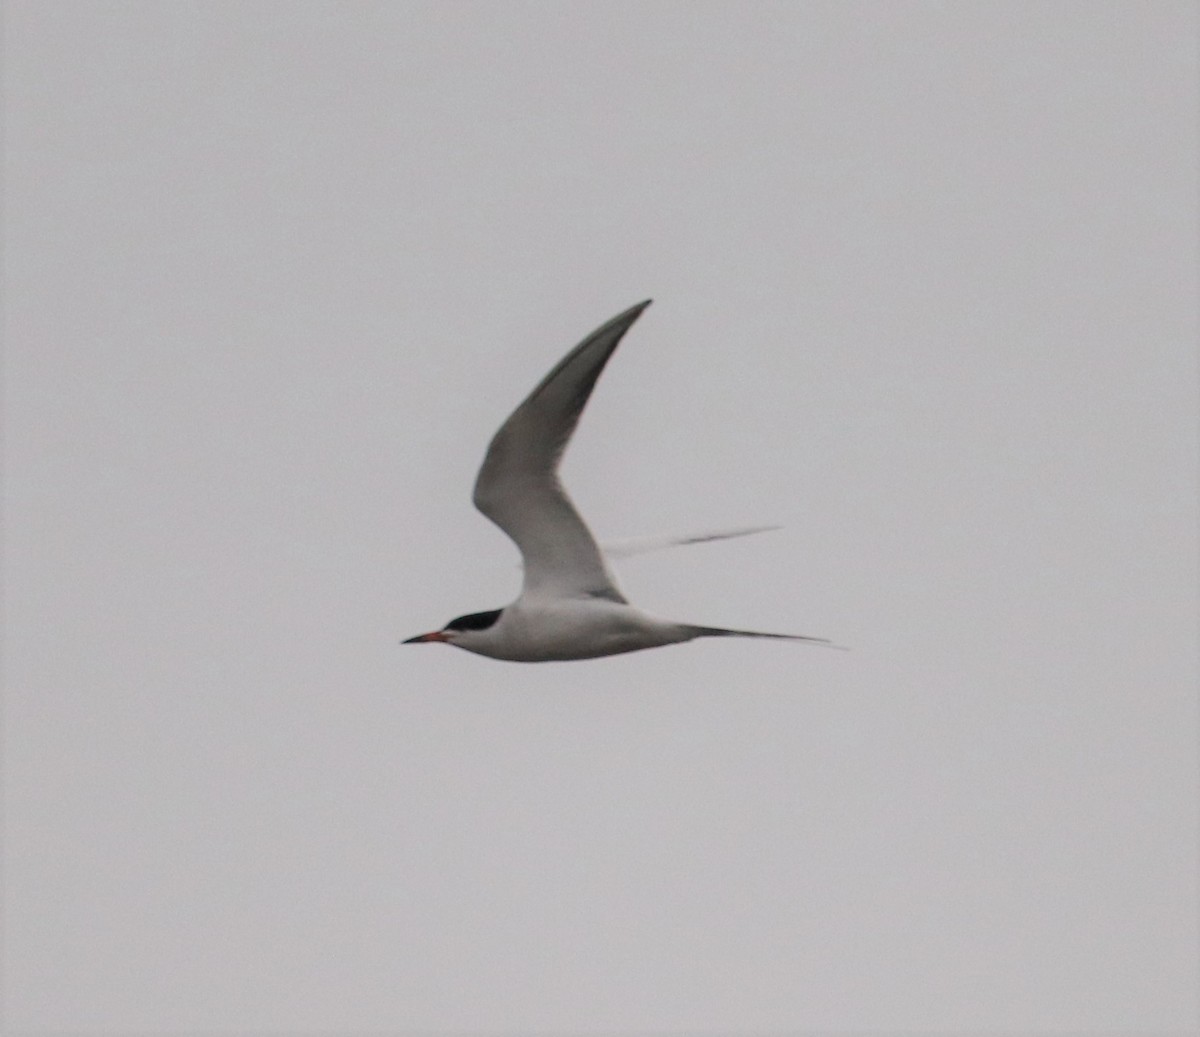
[625,317]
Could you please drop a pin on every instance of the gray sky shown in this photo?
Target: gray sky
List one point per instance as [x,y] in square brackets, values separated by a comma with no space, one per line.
[925,295]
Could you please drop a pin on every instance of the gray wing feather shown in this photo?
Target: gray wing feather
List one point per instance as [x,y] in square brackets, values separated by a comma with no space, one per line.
[643,545]
[518,486]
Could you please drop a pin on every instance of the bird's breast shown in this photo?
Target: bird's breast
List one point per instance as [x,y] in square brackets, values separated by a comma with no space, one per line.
[571,629]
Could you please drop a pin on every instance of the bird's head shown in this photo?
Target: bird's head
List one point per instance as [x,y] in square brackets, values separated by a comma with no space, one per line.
[457,627]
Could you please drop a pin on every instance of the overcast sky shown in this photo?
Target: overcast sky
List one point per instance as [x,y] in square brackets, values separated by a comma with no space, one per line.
[925,295]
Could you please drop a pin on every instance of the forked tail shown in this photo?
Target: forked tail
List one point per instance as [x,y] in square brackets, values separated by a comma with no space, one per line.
[722,632]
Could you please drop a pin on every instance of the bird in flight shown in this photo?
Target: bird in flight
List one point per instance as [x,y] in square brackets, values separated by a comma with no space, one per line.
[569,606]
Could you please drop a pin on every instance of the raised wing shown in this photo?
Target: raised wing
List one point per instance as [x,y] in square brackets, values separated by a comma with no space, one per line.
[518,486]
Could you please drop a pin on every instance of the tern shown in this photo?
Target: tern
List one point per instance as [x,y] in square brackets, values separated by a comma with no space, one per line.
[569,606]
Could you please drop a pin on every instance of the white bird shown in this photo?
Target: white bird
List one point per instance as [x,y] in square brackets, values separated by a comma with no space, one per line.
[569,606]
